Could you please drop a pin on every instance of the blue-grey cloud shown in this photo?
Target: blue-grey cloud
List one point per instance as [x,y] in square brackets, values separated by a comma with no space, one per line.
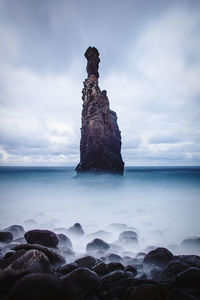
[150,66]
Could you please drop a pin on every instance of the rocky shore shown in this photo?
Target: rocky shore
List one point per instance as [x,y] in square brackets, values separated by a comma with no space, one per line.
[42,264]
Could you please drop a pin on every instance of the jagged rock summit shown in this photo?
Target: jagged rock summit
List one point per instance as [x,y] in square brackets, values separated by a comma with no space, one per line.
[100,147]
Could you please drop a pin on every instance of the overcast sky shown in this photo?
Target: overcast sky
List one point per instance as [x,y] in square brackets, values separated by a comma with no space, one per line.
[150,67]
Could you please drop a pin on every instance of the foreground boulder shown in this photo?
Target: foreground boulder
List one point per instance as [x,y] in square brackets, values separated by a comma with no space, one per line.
[88,280]
[43,237]
[145,292]
[97,244]
[54,258]
[189,278]
[100,147]
[6,237]
[32,261]
[159,257]
[36,286]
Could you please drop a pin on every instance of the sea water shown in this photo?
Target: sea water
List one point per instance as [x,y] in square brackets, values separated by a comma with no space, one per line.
[162,204]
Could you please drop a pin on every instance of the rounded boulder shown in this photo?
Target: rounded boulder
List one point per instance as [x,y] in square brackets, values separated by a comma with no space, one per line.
[42,237]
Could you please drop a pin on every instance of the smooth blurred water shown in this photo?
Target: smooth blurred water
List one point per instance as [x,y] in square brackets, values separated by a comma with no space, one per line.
[162,203]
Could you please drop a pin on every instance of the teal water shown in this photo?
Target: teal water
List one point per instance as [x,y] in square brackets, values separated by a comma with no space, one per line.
[162,203]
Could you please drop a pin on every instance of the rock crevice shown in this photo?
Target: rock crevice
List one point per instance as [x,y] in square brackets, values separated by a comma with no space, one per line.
[100,147]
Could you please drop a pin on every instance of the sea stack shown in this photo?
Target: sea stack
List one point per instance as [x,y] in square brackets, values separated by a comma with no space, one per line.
[100,147]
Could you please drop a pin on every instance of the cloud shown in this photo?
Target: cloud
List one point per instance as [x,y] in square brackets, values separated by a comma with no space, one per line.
[154,88]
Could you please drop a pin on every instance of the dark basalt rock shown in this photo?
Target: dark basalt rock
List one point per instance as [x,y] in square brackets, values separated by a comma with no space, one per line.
[92,56]
[159,257]
[36,286]
[76,230]
[54,258]
[101,269]
[88,280]
[145,292]
[97,244]
[32,261]
[43,237]
[16,230]
[67,268]
[131,269]
[179,294]
[10,257]
[86,262]
[100,147]
[189,278]
[113,266]
[112,277]
[173,268]
[71,290]
[6,237]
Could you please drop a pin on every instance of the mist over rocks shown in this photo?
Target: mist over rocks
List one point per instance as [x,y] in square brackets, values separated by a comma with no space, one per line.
[108,271]
[100,146]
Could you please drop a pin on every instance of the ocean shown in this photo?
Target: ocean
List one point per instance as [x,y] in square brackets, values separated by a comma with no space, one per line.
[162,204]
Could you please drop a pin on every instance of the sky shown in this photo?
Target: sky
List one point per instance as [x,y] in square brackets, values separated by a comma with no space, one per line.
[150,67]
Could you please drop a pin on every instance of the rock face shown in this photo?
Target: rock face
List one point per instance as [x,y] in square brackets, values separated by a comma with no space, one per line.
[100,148]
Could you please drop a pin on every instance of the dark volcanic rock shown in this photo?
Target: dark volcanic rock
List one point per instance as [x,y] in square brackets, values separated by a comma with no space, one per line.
[86,262]
[76,230]
[114,276]
[67,268]
[88,280]
[145,292]
[97,244]
[189,278]
[101,269]
[36,286]
[16,230]
[32,261]
[173,268]
[6,236]
[159,257]
[179,294]
[113,266]
[43,237]
[100,148]
[131,269]
[54,258]
[92,56]
[10,257]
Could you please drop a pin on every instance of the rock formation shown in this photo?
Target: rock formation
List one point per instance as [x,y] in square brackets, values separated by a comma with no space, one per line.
[100,148]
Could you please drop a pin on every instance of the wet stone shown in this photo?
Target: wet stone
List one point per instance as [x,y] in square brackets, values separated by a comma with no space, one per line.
[43,237]
[6,237]
[101,269]
[86,262]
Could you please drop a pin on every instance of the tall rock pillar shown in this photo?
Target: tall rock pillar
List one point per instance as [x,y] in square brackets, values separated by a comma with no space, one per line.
[100,147]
